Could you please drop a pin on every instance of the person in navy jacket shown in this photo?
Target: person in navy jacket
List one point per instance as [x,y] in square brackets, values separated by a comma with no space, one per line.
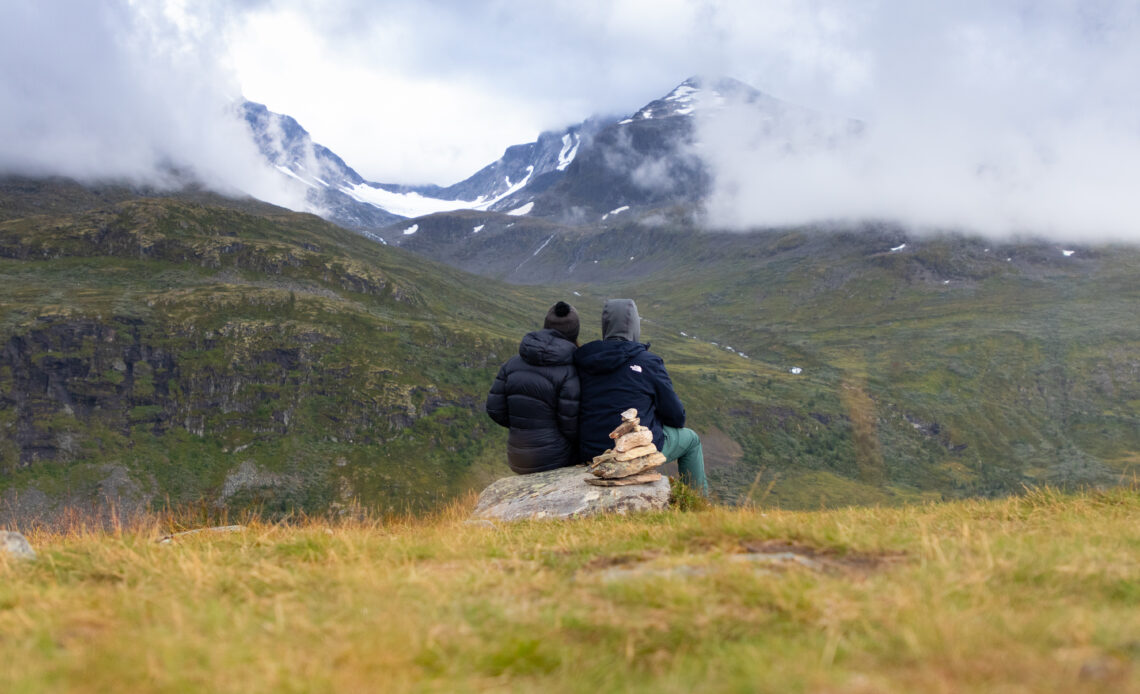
[619,372]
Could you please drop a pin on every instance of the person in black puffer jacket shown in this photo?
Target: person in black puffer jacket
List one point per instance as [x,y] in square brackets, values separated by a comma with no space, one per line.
[535,395]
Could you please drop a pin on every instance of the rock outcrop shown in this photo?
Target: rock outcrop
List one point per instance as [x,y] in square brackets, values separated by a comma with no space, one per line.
[563,493]
[15,545]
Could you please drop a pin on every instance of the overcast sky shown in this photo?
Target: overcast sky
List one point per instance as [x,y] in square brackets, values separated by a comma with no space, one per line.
[433,91]
[1000,114]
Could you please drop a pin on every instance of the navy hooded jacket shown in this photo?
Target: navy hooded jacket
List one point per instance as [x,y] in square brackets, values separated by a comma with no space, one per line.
[535,395]
[618,373]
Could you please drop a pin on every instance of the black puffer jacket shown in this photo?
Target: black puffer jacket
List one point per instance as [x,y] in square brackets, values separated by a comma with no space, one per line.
[536,396]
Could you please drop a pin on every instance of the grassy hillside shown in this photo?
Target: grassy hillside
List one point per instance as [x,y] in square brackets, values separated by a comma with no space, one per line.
[950,366]
[192,349]
[161,350]
[1028,594]
[953,364]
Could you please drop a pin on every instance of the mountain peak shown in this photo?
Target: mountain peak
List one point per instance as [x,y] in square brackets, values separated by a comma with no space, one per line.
[702,91]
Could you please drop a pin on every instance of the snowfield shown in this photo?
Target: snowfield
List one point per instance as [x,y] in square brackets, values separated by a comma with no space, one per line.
[569,151]
[416,205]
[407,204]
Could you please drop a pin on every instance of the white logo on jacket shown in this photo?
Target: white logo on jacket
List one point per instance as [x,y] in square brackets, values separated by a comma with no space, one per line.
[635,367]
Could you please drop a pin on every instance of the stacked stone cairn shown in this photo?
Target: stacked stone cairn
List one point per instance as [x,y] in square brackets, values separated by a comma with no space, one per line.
[631,460]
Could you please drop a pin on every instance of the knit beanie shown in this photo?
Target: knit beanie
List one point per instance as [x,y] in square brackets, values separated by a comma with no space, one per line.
[563,318]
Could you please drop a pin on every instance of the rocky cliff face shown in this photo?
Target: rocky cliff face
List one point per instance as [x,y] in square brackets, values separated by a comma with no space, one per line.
[120,376]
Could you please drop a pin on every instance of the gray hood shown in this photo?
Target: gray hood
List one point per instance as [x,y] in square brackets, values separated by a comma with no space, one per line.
[620,321]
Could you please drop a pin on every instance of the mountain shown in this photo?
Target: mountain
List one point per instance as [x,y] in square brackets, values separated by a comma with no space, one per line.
[338,193]
[579,175]
[181,346]
[527,167]
[328,181]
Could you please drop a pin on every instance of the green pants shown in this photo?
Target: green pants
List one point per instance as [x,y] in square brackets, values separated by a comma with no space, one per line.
[684,446]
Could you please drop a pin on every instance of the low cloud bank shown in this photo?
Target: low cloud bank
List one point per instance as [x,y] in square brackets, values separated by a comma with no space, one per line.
[124,91]
[1074,180]
[1003,118]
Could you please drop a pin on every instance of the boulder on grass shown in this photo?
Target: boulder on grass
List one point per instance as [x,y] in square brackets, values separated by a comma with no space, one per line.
[15,545]
[563,493]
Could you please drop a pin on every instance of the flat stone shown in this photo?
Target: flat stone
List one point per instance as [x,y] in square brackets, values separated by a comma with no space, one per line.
[635,453]
[613,468]
[625,428]
[639,478]
[634,439]
[563,493]
[15,545]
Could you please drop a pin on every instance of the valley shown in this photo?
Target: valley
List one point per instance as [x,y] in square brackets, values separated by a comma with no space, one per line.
[192,349]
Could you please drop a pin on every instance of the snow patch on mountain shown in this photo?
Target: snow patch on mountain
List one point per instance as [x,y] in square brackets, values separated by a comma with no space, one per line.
[544,244]
[619,210]
[684,100]
[416,205]
[513,188]
[684,92]
[685,96]
[525,209]
[405,204]
[570,142]
[289,173]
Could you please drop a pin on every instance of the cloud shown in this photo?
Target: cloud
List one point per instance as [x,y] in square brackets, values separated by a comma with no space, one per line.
[1002,118]
[127,91]
[431,91]
[1001,115]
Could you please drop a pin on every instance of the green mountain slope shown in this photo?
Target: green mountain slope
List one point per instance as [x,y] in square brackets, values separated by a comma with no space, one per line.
[950,365]
[163,348]
[935,366]
[191,348]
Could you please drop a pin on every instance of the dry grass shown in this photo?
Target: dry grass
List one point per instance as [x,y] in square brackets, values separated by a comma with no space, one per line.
[1031,594]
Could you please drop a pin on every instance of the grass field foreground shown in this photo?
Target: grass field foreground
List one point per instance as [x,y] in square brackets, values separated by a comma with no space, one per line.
[1037,593]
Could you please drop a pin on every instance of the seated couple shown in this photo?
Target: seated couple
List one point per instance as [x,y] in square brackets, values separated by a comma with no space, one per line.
[561,401]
